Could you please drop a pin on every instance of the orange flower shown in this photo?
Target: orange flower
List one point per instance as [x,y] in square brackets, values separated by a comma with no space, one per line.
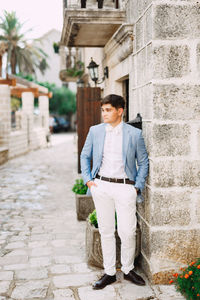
[181,276]
[198,267]
[186,276]
[198,295]
[175,275]
[190,273]
[192,263]
[170,282]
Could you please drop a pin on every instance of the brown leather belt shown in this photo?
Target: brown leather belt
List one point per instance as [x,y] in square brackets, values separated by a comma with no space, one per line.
[116,180]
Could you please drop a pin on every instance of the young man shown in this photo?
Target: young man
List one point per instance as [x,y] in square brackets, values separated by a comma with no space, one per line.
[115,147]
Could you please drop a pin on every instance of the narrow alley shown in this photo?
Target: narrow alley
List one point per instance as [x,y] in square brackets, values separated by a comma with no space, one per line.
[42,245]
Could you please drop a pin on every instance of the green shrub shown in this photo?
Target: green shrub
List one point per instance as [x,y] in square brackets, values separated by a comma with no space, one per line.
[93,219]
[79,187]
[188,281]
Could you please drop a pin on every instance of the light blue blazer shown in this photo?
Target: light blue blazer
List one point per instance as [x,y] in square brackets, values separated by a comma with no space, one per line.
[134,154]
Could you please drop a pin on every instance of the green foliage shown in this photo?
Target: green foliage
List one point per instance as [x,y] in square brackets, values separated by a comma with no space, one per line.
[63,101]
[28,77]
[188,281]
[93,219]
[79,187]
[77,70]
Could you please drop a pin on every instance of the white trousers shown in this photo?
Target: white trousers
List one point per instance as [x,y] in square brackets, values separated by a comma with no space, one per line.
[110,197]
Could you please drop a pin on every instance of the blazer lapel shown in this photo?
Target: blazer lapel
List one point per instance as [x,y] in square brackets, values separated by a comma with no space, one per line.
[125,142]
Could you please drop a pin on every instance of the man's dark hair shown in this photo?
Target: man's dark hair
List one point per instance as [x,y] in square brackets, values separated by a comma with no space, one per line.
[115,100]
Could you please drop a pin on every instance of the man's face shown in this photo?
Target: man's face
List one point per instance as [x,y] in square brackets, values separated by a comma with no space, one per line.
[110,114]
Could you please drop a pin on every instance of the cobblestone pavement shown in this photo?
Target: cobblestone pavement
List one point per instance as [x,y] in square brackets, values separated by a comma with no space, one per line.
[42,253]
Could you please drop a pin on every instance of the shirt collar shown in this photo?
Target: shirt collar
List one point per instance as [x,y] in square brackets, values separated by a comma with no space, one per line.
[117,129]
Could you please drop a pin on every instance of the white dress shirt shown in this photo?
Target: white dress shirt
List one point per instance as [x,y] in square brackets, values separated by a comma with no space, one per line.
[112,163]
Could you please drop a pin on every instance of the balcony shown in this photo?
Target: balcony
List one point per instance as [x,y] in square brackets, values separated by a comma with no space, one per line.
[91,23]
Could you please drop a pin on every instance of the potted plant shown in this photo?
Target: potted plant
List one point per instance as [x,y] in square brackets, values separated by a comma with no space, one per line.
[84,203]
[72,74]
[56,47]
[93,242]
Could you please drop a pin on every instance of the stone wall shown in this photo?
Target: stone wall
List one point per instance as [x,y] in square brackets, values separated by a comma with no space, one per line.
[27,137]
[5,122]
[165,89]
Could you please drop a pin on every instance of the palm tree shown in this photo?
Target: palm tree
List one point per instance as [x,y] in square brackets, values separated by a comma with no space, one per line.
[21,55]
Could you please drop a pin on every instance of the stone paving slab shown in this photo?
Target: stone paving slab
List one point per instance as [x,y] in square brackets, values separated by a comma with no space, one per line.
[42,245]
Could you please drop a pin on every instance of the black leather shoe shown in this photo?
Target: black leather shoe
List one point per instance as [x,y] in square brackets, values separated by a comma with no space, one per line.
[104,281]
[134,277]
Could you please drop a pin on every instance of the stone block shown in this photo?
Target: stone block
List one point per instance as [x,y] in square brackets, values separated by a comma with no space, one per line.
[139,36]
[84,206]
[9,260]
[149,63]
[197,208]
[164,292]
[198,141]
[63,294]
[198,58]
[162,208]
[4,286]
[176,21]
[15,245]
[148,28]
[30,290]
[169,250]
[141,67]
[6,275]
[171,102]
[31,274]
[108,293]
[40,262]
[81,268]
[16,267]
[171,139]
[41,251]
[60,269]
[73,280]
[171,61]
[175,173]
[169,246]
[67,259]
[134,292]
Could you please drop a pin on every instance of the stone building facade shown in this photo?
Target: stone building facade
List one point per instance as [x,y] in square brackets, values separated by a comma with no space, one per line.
[153,56]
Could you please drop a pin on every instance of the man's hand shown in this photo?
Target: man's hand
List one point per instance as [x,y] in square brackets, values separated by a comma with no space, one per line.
[91,183]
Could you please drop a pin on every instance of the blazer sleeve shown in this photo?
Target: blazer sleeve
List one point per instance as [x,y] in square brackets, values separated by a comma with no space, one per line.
[86,156]
[142,162]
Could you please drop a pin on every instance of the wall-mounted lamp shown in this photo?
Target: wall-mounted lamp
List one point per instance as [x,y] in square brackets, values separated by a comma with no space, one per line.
[93,69]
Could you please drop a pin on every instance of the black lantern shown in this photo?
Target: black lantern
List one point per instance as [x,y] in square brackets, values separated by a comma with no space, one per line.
[93,69]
